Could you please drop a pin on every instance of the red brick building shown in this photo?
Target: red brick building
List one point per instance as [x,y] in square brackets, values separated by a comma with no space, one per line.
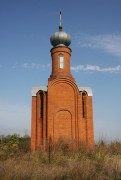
[62,109]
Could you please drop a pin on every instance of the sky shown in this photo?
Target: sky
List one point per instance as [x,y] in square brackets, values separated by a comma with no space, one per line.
[25,60]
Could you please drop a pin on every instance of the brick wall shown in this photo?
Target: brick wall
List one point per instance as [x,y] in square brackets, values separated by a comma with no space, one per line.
[62,111]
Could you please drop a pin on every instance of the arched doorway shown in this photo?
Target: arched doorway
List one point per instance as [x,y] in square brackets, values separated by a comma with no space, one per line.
[62,125]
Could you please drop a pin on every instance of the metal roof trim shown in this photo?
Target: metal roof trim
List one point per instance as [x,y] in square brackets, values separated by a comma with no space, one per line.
[87,89]
[35,89]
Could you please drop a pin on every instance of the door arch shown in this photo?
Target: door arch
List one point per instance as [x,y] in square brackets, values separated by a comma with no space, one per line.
[62,126]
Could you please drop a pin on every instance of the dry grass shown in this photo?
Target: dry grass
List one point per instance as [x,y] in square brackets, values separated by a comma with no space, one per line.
[65,162]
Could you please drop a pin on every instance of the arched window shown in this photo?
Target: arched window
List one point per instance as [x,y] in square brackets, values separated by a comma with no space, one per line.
[41,104]
[84,94]
[61,61]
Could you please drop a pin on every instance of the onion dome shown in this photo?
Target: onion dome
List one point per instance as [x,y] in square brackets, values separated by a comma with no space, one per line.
[60,38]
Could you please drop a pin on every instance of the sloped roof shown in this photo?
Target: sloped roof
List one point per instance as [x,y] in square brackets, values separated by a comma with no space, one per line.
[87,89]
[35,89]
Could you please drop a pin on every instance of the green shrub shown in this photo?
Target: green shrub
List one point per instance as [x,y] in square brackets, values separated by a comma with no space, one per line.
[13,145]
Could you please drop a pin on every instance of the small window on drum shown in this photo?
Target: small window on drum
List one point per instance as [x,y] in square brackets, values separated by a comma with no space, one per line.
[61,61]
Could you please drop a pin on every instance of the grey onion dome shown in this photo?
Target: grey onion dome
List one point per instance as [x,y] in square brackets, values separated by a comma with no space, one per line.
[60,38]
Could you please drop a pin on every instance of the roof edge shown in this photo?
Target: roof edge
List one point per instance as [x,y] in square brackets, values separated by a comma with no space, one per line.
[87,89]
[35,89]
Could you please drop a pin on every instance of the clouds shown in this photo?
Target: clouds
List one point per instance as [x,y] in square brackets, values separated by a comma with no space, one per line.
[88,67]
[110,43]
[78,68]
[26,66]
[95,68]
[35,65]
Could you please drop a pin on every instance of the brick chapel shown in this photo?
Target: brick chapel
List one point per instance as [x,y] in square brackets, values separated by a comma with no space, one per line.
[61,109]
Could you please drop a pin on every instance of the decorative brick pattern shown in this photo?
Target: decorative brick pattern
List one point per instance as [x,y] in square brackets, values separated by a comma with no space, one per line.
[62,111]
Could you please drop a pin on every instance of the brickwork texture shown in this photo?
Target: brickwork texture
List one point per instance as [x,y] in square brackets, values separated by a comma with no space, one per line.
[62,111]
